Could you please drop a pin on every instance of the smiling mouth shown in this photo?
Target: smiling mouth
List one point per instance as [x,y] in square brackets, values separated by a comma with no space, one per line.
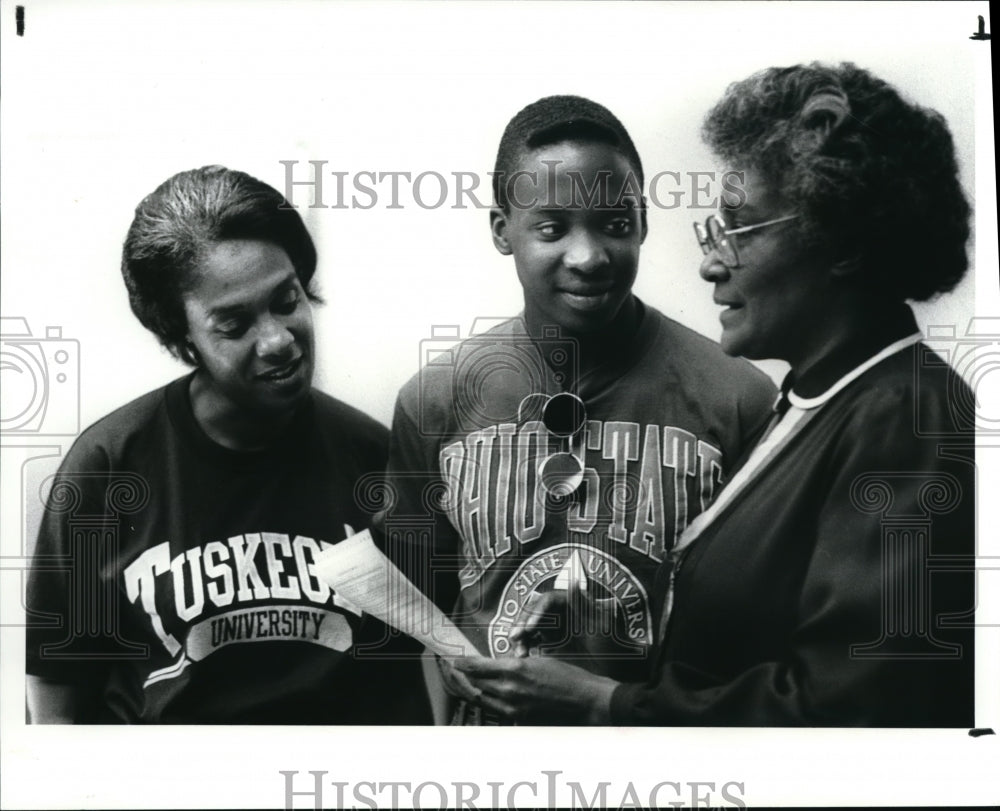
[730,315]
[281,373]
[587,293]
[588,299]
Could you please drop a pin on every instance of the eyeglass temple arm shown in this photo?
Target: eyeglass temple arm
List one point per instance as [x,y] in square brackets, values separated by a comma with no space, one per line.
[756,225]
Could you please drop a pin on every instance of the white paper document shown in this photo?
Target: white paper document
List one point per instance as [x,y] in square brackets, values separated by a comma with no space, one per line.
[358,570]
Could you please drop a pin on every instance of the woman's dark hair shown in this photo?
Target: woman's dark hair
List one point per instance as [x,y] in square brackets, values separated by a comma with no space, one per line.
[873,177]
[186,215]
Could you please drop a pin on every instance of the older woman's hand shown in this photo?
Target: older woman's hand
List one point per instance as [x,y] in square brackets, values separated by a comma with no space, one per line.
[455,682]
[540,690]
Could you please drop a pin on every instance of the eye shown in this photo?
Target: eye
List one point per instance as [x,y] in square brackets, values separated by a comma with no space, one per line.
[550,229]
[748,236]
[729,219]
[620,227]
[232,327]
[287,302]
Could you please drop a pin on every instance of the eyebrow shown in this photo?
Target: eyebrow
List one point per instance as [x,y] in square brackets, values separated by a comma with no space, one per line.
[625,204]
[220,313]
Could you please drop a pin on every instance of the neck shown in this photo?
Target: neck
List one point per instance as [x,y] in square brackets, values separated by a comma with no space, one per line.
[231,425]
[853,330]
[593,348]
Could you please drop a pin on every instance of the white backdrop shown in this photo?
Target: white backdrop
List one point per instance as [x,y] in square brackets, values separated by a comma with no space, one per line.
[101,101]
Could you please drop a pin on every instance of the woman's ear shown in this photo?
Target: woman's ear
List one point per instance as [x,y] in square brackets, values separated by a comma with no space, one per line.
[643,226]
[498,228]
[191,351]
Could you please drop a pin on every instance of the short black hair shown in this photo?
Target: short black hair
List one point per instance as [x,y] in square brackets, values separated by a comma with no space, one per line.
[552,120]
[182,219]
[871,175]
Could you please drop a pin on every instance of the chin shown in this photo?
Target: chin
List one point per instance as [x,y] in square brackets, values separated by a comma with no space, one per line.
[279,401]
[742,347]
[732,346]
[590,322]
[584,327]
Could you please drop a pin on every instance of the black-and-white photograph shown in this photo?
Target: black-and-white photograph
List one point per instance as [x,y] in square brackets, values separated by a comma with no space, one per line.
[498,404]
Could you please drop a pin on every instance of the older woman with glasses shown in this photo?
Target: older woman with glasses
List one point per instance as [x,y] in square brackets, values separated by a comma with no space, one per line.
[829,584]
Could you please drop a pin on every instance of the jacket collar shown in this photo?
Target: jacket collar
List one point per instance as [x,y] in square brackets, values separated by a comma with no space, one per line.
[889,335]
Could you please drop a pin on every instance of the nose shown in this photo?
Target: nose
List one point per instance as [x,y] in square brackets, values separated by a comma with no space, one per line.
[585,252]
[274,340]
[712,269]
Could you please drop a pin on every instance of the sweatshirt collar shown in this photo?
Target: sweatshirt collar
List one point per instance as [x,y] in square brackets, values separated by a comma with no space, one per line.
[629,353]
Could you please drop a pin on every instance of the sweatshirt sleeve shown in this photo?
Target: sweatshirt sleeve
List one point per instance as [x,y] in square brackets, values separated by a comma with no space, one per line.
[862,649]
[413,528]
[67,613]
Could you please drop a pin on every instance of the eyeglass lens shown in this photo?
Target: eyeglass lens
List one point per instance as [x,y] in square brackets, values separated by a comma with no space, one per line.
[722,243]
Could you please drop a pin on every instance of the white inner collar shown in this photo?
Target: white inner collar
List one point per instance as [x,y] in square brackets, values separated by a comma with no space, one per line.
[815,402]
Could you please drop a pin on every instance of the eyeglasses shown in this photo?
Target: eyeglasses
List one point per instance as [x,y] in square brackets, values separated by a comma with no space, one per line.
[563,415]
[713,236]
